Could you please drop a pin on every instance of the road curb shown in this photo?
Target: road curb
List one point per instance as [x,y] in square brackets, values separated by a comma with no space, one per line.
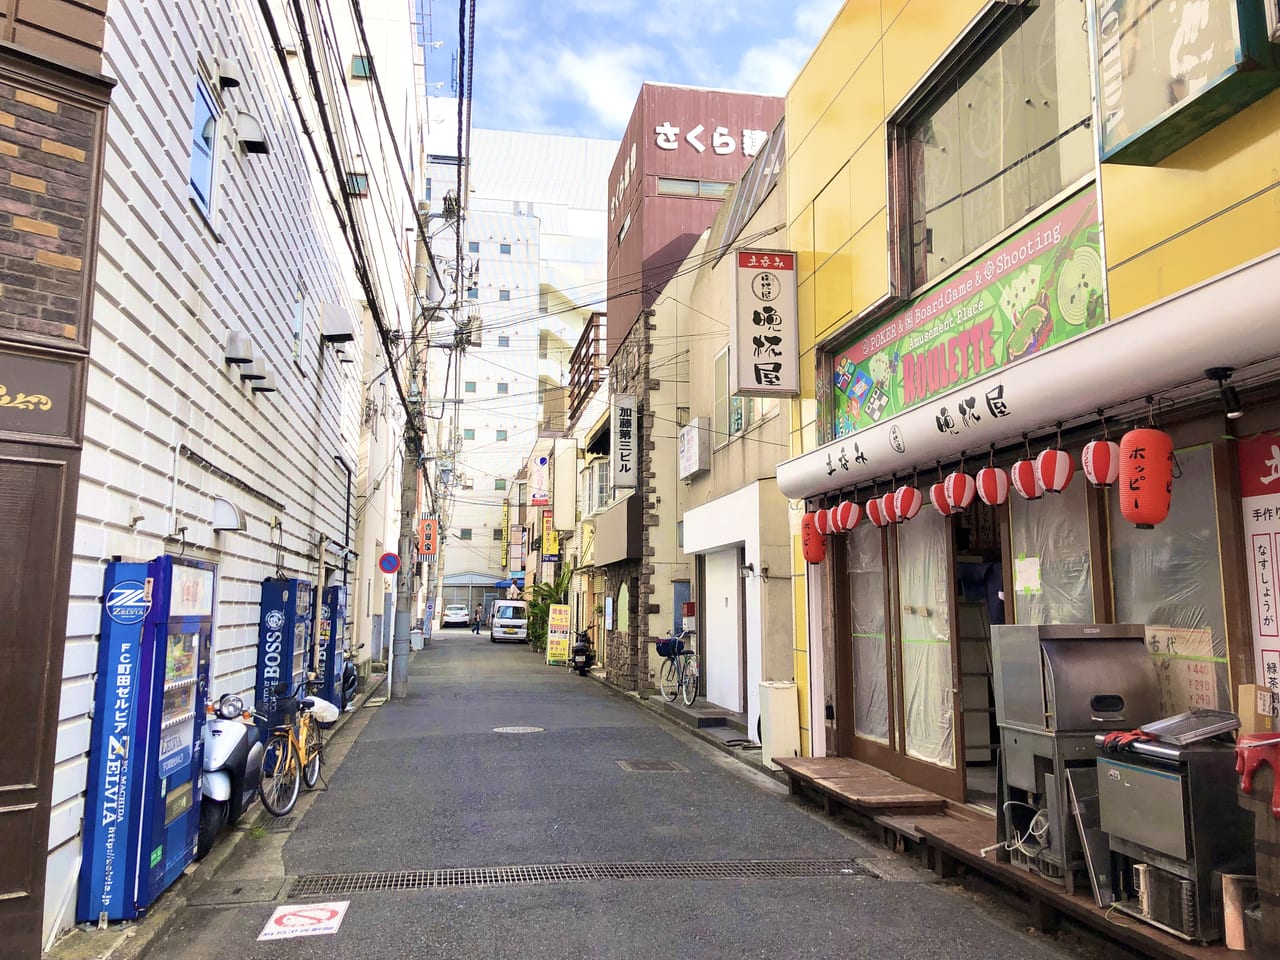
[130,939]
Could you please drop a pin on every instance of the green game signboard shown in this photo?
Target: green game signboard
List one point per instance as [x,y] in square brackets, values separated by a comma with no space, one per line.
[1039,288]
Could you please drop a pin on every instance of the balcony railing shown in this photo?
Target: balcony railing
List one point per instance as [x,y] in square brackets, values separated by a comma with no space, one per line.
[588,366]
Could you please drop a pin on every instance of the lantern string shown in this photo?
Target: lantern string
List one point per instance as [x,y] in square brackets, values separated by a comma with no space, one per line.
[1106,433]
[1059,442]
[915,476]
[962,461]
[991,459]
[939,463]
[1151,411]
[1026,442]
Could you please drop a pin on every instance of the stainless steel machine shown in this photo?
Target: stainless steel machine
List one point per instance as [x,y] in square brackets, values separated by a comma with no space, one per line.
[1169,807]
[1056,687]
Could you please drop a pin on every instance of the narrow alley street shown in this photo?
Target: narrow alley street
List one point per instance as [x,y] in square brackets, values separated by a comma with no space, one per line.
[435,786]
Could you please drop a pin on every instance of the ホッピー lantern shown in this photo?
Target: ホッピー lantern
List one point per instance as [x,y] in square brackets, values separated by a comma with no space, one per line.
[938,497]
[907,502]
[848,514]
[959,489]
[993,485]
[875,511]
[1100,461]
[1025,481]
[1146,476]
[889,508]
[811,541]
[1054,469]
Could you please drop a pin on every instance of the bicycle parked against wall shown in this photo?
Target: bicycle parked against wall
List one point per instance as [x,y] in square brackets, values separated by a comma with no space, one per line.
[678,673]
[295,750]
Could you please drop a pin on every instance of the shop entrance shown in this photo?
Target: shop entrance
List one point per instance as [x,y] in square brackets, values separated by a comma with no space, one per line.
[913,607]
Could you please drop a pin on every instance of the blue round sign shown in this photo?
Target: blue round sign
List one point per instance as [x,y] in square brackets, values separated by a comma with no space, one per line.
[388,563]
[127,602]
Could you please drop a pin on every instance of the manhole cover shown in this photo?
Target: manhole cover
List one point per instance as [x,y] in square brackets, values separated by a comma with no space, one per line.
[517,730]
[651,766]
[219,892]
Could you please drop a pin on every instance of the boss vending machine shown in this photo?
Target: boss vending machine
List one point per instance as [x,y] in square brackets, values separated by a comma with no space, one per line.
[284,635]
[333,623]
[142,808]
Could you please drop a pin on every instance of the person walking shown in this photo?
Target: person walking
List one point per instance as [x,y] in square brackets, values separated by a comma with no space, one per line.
[475,619]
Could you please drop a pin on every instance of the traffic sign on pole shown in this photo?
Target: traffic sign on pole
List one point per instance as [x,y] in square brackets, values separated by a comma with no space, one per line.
[389,563]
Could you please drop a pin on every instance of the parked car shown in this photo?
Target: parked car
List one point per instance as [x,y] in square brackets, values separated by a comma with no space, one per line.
[456,615]
[509,621]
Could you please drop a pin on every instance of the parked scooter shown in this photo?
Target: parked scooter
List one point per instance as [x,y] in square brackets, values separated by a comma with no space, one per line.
[233,750]
[583,656]
[350,676]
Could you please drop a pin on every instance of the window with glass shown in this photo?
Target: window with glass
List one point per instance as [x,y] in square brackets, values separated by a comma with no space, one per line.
[473,246]
[464,533]
[503,387]
[504,294]
[361,68]
[999,135]
[497,533]
[469,386]
[866,618]
[504,341]
[502,434]
[500,484]
[925,644]
[468,433]
[357,184]
[1170,579]
[473,293]
[1051,571]
[602,483]
[204,146]
[504,248]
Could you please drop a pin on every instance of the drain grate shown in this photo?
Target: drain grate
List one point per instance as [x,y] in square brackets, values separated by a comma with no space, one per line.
[652,766]
[324,885]
[281,824]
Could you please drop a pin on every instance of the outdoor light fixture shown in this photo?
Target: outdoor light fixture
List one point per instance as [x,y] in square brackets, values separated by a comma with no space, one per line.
[1230,399]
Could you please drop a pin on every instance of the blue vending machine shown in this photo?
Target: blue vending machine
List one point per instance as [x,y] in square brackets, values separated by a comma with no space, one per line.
[142,807]
[284,636]
[333,625]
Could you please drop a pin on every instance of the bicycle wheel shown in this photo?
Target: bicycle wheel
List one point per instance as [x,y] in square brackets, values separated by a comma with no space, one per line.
[668,680]
[689,681]
[278,787]
[314,750]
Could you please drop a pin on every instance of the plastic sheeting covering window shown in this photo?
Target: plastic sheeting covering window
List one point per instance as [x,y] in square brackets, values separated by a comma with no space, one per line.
[1051,576]
[923,578]
[1170,579]
[870,654]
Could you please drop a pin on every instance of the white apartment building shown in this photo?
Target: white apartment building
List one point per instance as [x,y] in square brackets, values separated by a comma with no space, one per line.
[533,249]
[219,242]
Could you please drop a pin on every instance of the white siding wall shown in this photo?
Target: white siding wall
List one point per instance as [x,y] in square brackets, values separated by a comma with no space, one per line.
[170,287]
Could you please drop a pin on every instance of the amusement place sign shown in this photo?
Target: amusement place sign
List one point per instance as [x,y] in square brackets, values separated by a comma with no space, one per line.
[1036,290]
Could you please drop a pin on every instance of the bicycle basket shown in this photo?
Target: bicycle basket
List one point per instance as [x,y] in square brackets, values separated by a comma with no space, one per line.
[281,711]
[670,646]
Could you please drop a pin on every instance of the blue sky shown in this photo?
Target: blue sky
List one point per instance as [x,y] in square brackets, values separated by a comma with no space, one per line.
[575,67]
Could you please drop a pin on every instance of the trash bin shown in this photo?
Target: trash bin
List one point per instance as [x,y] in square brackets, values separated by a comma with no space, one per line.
[779,721]
[415,638]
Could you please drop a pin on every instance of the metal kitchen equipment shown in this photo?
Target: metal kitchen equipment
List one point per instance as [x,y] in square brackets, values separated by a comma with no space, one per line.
[1175,827]
[1056,686]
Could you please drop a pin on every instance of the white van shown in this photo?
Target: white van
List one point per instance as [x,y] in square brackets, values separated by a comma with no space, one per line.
[509,621]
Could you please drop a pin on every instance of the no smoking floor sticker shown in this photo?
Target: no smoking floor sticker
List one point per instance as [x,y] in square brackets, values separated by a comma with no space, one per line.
[304,920]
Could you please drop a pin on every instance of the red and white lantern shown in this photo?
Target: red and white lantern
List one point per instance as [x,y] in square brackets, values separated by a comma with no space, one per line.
[847,514]
[1146,476]
[1025,481]
[1101,462]
[889,508]
[907,502]
[812,542]
[938,497]
[822,521]
[875,511]
[959,488]
[993,485]
[1054,470]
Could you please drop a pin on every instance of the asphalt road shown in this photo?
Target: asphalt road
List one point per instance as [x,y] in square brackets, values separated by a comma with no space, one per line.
[428,784]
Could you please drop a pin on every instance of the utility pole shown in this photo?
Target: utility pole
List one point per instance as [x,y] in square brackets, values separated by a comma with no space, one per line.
[408,556]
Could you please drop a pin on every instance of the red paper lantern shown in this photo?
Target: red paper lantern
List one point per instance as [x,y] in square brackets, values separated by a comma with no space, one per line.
[848,514]
[1054,470]
[993,485]
[889,508]
[959,489]
[833,519]
[938,497]
[1146,476]
[907,502]
[1025,480]
[811,541]
[1101,462]
[875,511]
[822,521]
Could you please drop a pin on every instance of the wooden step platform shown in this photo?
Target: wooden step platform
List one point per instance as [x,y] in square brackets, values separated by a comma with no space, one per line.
[851,784]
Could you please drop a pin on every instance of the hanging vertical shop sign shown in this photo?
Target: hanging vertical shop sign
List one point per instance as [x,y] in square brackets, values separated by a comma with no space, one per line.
[765,345]
[1260,499]
[506,527]
[626,463]
[550,538]
[429,536]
